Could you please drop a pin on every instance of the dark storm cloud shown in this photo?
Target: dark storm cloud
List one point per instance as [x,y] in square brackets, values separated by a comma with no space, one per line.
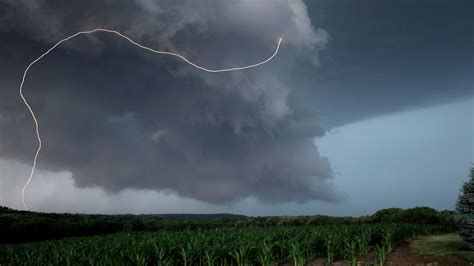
[118,119]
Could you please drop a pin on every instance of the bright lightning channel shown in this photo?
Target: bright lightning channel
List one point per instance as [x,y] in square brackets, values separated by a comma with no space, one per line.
[25,73]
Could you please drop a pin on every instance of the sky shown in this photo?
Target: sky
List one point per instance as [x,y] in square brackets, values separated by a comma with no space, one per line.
[368,105]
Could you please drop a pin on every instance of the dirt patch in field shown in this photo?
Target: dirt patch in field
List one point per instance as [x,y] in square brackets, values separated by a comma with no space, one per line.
[405,255]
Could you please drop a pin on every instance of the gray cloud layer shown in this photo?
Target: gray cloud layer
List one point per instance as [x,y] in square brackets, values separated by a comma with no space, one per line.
[119,119]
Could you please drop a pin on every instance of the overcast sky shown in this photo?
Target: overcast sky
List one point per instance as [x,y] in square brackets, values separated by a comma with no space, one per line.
[368,105]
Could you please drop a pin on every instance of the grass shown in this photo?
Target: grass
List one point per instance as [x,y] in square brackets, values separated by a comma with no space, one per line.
[442,245]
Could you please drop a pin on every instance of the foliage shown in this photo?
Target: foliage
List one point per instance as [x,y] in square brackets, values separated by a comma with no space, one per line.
[417,215]
[421,215]
[224,246]
[387,215]
[465,210]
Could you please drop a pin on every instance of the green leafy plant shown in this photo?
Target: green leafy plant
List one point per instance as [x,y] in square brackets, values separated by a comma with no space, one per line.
[296,254]
[264,253]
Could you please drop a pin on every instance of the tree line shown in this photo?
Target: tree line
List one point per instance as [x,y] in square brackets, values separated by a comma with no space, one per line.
[24,226]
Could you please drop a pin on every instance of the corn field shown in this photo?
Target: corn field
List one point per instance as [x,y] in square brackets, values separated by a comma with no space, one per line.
[231,246]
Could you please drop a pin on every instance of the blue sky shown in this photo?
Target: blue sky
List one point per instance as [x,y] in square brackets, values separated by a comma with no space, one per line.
[415,158]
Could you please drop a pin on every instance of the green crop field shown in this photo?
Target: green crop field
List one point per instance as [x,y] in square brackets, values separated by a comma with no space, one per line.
[222,246]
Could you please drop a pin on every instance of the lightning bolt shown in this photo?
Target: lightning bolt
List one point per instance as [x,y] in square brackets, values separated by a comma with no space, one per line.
[25,73]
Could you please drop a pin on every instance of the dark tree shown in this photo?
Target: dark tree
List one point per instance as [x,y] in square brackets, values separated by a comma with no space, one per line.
[465,212]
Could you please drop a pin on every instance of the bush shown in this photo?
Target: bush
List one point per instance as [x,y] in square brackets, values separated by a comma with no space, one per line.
[389,215]
[465,212]
[421,215]
[417,215]
[446,218]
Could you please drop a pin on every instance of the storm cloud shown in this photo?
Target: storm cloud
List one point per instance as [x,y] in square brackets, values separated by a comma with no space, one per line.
[118,118]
